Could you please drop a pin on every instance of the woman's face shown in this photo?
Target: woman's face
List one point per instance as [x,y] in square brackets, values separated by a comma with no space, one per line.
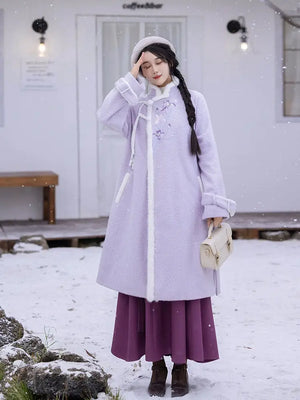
[155,70]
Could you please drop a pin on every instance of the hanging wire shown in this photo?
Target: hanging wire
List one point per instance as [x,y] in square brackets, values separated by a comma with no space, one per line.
[283,15]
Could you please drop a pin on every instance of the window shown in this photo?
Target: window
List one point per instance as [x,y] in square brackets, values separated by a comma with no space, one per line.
[1,69]
[291,69]
[116,37]
[119,37]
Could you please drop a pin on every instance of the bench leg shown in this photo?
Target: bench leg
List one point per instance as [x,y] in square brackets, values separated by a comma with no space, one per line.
[49,204]
[246,234]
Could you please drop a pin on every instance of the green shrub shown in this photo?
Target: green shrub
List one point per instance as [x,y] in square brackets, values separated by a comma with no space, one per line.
[111,396]
[2,372]
[17,390]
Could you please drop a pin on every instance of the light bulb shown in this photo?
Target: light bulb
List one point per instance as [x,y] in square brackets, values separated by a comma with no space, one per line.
[42,46]
[244,46]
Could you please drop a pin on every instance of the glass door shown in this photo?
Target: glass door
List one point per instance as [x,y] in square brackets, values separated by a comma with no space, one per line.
[116,36]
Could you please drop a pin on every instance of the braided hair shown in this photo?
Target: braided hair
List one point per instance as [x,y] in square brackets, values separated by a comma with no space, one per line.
[164,52]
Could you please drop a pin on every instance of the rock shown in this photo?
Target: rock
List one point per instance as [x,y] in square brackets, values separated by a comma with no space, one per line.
[50,356]
[275,235]
[47,374]
[19,364]
[10,329]
[72,357]
[10,354]
[63,379]
[39,240]
[26,248]
[30,244]
[296,235]
[32,345]
[65,356]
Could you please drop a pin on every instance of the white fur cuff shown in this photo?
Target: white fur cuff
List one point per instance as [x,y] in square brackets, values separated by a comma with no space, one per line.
[129,88]
[220,201]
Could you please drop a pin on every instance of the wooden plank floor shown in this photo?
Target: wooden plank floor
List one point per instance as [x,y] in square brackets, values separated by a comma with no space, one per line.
[249,225]
[63,229]
[244,225]
[266,221]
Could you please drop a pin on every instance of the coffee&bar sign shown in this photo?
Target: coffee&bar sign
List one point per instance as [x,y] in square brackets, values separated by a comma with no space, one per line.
[135,6]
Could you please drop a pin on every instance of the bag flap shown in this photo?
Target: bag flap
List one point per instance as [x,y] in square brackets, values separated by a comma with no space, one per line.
[219,237]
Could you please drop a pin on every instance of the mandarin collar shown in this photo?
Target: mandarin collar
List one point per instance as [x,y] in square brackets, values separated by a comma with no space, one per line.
[158,92]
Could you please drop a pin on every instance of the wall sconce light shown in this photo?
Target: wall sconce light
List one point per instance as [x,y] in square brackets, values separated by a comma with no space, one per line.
[234,26]
[40,26]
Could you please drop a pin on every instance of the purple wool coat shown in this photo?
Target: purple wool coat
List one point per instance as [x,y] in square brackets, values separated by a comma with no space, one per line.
[157,219]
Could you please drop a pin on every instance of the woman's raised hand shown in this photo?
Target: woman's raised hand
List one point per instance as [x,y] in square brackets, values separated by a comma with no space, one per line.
[136,66]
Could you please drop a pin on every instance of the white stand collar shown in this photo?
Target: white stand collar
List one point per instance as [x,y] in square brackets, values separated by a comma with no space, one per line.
[165,90]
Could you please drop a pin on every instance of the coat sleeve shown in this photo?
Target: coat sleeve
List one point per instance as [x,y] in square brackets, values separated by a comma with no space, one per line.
[214,199]
[115,111]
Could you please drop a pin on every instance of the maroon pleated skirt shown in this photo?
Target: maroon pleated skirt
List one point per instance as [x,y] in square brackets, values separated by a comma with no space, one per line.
[182,329]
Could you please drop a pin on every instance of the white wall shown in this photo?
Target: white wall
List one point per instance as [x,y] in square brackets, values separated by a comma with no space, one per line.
[260,156]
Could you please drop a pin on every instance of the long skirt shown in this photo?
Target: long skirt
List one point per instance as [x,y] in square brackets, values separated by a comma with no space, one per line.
[181,329]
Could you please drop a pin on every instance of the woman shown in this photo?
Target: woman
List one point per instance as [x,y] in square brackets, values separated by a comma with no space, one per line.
[170,189]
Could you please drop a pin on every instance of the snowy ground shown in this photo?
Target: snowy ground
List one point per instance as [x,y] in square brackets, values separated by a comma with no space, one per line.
[257,318]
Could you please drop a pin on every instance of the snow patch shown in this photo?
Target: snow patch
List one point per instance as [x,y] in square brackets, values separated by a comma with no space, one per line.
[256,317]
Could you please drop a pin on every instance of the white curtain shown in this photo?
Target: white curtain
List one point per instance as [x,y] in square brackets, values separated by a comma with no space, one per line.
[118,39]
[292,69]
[170,31]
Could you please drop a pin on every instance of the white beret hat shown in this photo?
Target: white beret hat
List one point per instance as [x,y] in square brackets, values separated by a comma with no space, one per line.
[146,42]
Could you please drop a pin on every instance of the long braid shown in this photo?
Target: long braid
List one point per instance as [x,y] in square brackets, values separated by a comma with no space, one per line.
[190,110]
[165,53]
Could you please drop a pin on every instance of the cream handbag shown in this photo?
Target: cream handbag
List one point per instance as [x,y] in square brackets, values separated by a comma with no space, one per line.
[216,248]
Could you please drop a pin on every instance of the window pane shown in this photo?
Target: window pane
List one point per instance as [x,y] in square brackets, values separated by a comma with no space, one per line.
[168,30]
[292,100]
[117,39]
[291,78]
[292,64]
[292,35]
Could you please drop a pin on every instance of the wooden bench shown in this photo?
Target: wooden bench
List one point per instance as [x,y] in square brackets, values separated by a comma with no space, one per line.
[46,179]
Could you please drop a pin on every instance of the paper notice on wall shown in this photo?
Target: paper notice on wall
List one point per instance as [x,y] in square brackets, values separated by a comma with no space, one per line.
[38,74]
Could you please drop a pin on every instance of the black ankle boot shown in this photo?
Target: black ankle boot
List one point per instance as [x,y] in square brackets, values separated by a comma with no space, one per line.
[179,385]
[157,386]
